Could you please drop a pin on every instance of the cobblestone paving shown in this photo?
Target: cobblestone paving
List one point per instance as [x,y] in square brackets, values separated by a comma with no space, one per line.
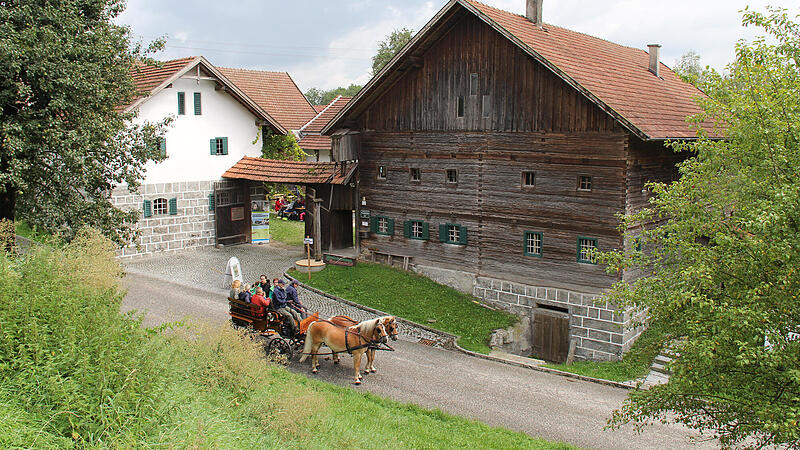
[203,268]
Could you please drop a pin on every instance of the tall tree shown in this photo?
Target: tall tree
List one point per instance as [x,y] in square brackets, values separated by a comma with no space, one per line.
[65,71]
[689,68]
[725,256]
[388,47]
[320,97]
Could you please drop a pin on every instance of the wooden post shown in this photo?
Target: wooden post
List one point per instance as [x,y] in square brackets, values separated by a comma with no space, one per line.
[317,228]
[308,253]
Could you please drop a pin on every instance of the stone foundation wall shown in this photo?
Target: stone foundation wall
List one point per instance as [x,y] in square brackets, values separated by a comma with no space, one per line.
[192,226]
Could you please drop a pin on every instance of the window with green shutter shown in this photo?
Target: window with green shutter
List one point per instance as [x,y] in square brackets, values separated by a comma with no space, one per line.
[162,146]
[181,103]
[159,206]
[451,233]
[416,229]
[197,109]
[211,201]
[382,225]
[586,246]
[147,209]
[218,146]
[173,206]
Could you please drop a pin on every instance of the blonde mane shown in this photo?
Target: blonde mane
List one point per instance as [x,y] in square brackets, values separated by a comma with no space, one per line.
[367,327]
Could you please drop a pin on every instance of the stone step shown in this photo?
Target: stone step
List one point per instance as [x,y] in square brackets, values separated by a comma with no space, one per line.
[660,368]
[663,359]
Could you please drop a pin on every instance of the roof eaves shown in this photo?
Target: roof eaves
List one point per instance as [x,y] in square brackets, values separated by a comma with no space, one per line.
[389,66]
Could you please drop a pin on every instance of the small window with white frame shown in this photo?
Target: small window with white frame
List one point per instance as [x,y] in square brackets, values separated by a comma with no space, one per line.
[160,207]
[533,243]
[414,173]
[585,183]
[586,246]
[528,179]
[383,225]
[381,172]
[416,229]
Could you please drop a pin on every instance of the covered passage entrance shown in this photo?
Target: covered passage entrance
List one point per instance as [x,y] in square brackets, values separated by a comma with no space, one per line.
[330,196]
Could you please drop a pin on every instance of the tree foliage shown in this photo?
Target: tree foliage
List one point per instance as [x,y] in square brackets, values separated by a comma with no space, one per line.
[388,47]
[278,146]
[724,256]
[320,97]
[64,73]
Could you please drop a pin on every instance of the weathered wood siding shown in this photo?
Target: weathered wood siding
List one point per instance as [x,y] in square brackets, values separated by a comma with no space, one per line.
[490,201]
[523,94]
[537,123]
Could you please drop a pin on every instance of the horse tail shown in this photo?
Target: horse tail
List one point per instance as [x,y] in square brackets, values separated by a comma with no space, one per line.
[308,344]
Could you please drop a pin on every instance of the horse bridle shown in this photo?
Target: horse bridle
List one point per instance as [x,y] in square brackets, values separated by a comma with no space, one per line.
[370,343]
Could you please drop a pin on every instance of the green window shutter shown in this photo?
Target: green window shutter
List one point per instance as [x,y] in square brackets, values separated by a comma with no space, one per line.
[390,229]
[181,103]
[173,206]
[443,233]
[147,209]
[211,201]
[463,234]
[373,224]
[425,231]
[197,109]
[224,146]
[213,146]
[162,146]
[407,228]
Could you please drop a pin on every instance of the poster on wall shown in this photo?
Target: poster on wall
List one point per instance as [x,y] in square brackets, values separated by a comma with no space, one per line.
[260,221]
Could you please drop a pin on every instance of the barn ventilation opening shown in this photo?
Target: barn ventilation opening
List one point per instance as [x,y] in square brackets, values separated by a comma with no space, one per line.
[552,308]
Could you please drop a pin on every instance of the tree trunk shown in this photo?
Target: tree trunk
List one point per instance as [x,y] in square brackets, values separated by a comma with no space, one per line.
[8,198]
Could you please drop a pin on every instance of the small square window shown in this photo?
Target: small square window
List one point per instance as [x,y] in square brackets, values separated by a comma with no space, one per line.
[453,233]
[415,175]
[584,183]
[159,206]
[452,176]
[486,107]
[460,106]
[528,179]
[381,172]
[473,84]
[533,244]
[585,247]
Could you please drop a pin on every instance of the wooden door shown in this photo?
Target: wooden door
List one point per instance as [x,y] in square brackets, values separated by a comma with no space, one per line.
[232,211]
[550,336]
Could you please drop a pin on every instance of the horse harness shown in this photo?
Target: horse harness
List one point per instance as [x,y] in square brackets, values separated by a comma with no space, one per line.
[370,344]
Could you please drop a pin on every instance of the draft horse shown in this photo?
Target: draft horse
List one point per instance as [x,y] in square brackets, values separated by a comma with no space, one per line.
[389,322]
[354,339]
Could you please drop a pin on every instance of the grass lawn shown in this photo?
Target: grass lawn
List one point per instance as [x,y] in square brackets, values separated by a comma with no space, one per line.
[634,364]
[289,232]
[413,297]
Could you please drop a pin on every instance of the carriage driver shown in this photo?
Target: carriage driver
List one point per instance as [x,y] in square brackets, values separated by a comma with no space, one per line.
[281,305]
[294,301]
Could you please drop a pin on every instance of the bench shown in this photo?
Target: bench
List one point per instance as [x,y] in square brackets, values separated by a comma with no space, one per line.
[242,313]
[390,256]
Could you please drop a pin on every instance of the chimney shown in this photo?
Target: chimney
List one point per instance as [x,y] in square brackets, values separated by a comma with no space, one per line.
[654,50]
[534,12]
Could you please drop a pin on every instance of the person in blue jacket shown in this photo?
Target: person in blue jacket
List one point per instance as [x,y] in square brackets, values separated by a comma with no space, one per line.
[281,305]
[294,300]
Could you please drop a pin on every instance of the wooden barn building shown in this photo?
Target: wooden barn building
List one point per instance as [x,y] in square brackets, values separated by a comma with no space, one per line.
[494,150]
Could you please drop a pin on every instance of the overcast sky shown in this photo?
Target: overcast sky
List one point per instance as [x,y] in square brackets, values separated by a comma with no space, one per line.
[330,43]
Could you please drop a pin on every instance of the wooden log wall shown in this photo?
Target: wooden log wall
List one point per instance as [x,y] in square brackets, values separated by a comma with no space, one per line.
[523,94]
[491,202]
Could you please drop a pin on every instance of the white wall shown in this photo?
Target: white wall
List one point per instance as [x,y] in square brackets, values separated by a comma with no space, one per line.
[188,156]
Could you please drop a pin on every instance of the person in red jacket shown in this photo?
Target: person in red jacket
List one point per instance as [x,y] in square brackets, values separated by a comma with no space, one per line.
[260,303]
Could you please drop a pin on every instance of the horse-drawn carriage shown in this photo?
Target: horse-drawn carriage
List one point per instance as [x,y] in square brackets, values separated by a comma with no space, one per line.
[339,333]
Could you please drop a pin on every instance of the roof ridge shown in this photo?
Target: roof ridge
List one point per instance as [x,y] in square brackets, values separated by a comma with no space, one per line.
[255,70]
[320,113]
[560,27]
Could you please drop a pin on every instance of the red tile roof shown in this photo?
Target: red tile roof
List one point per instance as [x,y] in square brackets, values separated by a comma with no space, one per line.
[616,75]
[290,172]
[147,77]
[315,142]
[321,119]
[276,93]
[319,108]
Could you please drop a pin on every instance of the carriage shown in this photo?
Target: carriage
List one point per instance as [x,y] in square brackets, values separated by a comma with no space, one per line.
[270,329]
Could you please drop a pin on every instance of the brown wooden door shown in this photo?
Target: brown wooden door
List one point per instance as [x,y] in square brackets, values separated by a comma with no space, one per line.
[550,336]
[232,211]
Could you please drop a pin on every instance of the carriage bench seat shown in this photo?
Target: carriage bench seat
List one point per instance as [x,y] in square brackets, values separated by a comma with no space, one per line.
[390,256]
[243,311]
